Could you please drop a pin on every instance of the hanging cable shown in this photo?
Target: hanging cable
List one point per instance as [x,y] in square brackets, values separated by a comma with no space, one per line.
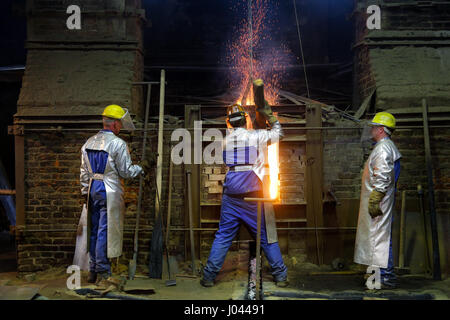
[301,48]
[250,31]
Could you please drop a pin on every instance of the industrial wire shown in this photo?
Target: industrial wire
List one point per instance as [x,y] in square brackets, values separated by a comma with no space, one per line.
[301,48]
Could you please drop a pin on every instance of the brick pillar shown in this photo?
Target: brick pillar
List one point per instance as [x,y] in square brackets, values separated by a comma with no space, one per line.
[71,75]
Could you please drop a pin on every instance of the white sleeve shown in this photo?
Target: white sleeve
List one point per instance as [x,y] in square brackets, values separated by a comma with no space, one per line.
[273,135]
[84,173]
[122,160]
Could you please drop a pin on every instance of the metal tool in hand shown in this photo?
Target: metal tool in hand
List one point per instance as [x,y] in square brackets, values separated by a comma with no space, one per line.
[260,202]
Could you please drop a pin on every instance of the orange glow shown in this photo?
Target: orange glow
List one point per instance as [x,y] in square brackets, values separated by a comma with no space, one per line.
[274,170]
[268,62]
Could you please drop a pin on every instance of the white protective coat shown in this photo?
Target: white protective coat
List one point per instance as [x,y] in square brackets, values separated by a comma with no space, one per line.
[259,139]
[373,234]
[118,166]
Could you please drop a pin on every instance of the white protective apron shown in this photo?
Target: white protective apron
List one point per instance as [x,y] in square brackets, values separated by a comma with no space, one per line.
[118,165]
[373,235]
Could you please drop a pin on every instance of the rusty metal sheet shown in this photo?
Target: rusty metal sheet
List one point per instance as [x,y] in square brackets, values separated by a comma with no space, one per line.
[18,293]
[139,286]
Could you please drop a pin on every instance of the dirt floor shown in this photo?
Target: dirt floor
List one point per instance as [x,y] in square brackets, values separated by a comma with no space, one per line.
[307,281]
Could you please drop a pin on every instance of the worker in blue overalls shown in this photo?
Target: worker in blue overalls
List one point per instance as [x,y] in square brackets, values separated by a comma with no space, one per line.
[373,246]
[104,160]
[245,153]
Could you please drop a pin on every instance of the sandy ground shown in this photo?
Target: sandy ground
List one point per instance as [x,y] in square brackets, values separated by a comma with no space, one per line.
[307,281]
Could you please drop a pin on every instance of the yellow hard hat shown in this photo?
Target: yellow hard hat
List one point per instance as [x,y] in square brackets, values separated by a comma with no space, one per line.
[236,115]
[235,108]
[383,119]
[114,111]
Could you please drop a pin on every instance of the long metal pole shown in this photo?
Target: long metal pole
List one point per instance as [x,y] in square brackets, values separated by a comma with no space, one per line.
[258,252]
[160,139]
[433,222]
[132,267]
[401,256]
[191,222]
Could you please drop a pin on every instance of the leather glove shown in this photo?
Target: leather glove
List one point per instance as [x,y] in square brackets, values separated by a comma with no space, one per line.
[145,165]
[374,203]
[266,111]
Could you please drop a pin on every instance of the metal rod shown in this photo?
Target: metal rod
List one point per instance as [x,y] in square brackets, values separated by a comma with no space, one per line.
[433,220]
[258,251]
[7,192]
[202,229]
[425,228]
[84,130]
[401,250]
[191,222]
[159,160]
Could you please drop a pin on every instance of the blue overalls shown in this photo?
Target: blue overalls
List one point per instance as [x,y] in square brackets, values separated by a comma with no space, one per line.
[99,261]
[388,274]
[235,210]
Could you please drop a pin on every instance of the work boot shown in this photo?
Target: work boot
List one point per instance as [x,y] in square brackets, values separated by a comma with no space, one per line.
[282,284]
[101,279]
[388,284]
[206,283]
[92,277]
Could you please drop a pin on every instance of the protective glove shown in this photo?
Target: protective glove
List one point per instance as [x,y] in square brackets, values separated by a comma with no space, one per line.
[374,203]
[146,167]
[266,111]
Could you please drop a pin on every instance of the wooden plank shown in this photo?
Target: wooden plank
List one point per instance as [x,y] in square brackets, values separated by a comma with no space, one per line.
[314,182]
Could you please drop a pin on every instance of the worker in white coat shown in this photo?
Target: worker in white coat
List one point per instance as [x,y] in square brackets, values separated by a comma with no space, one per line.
[104,160]
[373,245]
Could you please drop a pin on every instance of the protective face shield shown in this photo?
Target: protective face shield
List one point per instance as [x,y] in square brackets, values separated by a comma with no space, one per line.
[366,135]
[236,116]
[127,122]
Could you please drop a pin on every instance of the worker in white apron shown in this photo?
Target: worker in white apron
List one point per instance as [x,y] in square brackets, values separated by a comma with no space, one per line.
[104,160]
[373,246]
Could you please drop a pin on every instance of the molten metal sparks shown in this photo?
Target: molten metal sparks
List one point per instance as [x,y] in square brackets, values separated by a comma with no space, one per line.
[267,61]
[269,58]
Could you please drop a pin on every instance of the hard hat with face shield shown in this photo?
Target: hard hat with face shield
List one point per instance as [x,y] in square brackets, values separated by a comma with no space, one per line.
[236,116]
[384,119]
[116,112]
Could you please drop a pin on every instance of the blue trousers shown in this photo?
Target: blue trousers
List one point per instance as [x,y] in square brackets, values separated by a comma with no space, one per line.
[99,261]
[388,274]
[234,211]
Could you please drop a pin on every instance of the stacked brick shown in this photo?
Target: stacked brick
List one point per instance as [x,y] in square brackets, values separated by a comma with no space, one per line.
[292,172]
[212,183]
